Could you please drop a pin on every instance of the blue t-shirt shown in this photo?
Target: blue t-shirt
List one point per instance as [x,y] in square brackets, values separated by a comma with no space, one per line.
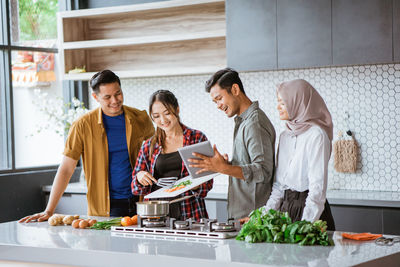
[120,169]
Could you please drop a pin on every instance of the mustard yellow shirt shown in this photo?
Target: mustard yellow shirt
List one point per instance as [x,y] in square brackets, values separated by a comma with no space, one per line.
[88,138]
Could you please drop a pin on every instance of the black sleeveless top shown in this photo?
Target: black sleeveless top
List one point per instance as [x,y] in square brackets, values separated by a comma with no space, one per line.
[169,165]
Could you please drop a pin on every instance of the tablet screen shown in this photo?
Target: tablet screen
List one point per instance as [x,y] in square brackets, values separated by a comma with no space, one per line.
[202,148]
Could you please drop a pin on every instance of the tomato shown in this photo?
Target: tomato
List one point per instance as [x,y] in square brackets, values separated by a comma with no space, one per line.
[126,221]
[134,220]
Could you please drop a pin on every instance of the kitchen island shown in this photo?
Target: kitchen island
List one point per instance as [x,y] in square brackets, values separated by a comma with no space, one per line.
[42,243]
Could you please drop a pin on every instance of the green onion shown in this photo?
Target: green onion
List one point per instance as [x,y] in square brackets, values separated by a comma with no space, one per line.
[106,225]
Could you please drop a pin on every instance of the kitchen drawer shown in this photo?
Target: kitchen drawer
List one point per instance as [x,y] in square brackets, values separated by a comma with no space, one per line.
[71,203]
[357,219]
[391,221]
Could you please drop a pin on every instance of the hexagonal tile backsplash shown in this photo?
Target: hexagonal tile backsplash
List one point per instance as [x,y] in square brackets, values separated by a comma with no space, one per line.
[369,94]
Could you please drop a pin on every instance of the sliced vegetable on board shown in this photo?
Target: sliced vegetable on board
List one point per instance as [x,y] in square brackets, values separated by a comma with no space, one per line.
[179,186]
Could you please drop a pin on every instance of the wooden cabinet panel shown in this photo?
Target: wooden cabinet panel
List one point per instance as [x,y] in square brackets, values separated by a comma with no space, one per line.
[304,33]
[251,34]
[396,30]
[152,39]
[160,57]
[148,22]
[361,31]
[107,3]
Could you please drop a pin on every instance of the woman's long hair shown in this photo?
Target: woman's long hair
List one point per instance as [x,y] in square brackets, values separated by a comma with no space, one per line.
[168,99]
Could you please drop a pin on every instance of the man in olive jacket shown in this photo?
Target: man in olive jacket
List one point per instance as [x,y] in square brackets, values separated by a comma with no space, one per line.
[108,139]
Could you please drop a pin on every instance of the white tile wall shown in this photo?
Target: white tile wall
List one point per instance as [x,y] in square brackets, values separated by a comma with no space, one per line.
[369,93]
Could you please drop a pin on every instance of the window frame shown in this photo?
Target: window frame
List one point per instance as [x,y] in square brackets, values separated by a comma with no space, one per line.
[73,89]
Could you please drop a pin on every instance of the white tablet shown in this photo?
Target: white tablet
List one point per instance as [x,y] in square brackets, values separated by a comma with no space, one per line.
[201,148]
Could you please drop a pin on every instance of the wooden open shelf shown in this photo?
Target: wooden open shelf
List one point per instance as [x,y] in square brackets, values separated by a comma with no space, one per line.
[177,37]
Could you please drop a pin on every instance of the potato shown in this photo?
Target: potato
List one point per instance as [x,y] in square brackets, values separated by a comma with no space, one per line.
[68,219]
[83,224]
[53,220]
[76,222]
[57,218]
[76,216]
[60,217]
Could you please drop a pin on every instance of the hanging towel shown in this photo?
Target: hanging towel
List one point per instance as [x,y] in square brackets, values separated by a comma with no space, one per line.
[345,155]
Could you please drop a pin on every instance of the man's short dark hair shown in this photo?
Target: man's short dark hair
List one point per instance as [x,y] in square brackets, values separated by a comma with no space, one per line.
[103,77]
[225,78]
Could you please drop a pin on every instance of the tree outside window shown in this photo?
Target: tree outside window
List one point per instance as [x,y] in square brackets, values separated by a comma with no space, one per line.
[34,20]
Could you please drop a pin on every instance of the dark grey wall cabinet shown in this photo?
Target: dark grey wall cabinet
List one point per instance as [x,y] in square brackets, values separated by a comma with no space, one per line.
[362,31]
[396,30]
[304,33]
[251,34]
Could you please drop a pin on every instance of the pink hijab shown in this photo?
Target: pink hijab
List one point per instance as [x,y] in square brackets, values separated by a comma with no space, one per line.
[305,107]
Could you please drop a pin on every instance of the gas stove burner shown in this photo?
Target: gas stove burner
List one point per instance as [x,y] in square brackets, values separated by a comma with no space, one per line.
[223,227]
[207,228]
[205,221]
[154,222]
[182,225]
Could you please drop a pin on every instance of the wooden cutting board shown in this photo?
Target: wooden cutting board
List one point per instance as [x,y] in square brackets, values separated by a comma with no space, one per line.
[160,193]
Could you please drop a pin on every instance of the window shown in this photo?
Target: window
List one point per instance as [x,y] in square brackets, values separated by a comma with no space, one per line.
[34,23]
[3,114]
[37,95]
[3,22]
[29,82]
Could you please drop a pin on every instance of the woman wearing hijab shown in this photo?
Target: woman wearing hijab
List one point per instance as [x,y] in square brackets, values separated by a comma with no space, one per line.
[303,154]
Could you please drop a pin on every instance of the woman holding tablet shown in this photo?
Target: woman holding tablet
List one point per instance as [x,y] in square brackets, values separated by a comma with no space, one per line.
[159,156]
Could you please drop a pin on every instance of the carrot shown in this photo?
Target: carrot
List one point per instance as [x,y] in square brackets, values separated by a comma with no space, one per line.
[175,188]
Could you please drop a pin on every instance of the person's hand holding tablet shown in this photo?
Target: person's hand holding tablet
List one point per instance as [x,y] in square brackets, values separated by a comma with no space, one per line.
[215,163]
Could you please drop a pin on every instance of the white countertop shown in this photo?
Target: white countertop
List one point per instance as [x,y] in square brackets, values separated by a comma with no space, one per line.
[40,242]
[335,197]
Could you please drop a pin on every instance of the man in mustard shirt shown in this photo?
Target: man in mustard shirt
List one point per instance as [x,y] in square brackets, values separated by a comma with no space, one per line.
[108,139]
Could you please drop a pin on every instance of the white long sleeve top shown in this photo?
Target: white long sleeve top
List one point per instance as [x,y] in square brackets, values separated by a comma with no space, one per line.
[302,164]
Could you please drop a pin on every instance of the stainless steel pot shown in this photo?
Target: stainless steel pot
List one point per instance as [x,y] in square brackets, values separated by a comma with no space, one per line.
[156,208]
[153,208]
